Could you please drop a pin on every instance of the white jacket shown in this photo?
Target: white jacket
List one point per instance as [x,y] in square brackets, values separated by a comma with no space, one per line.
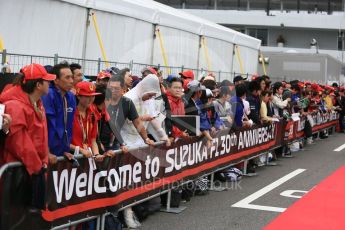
[150,84]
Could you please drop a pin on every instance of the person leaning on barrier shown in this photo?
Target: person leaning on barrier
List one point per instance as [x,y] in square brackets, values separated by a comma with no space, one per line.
[222,106]
[209,119]
[278,102]
[265,98]
[105,133]
[144,97]
[60,106]
[85,124]
[174,94]
[27,141]
[120,109]
[254,101]
[237,107]
[194,93]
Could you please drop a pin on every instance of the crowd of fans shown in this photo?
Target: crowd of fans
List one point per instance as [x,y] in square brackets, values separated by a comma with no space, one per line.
[53,111]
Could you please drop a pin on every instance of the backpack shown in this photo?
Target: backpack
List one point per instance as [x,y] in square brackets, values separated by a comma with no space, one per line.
[232,174]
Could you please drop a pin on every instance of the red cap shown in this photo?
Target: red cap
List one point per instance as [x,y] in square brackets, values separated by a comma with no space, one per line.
[188,74]
[300,84]
[36,71]
[319,89]
[315,86]
[103,75]
[152,70]
[86,88]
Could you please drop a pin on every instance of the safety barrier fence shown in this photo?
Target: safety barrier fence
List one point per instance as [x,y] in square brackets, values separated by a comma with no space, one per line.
[92,190]
[92,67]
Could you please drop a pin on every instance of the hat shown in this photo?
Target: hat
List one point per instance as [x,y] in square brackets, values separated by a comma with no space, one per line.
[85,88]
[209,93]
[102,75]
[113,70]
[170,77]
[195,86]
[36,71]
[150,69]
[187,74]
[238,78]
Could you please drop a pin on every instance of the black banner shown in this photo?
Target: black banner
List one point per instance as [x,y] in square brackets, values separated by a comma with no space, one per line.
[94,188]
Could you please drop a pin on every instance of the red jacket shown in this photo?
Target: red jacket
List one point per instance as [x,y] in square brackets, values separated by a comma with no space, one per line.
[27,140]
[177,108]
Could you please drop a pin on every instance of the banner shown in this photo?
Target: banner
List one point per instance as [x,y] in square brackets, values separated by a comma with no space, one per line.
[75,193]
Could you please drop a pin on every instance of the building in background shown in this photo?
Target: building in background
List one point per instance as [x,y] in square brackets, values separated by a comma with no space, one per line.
[283,26]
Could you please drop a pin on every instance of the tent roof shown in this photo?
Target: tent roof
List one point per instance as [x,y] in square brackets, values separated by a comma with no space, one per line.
[160,14]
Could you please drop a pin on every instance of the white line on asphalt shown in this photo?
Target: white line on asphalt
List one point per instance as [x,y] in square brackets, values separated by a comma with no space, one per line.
[292,193]
[245,203]
[341,147]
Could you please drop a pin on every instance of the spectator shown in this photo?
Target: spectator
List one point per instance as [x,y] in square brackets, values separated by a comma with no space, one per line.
[27,140]
[267,81]
[308,88]
[208,108]
[103,78]
[5,68]
[77,75]
[195,92]
[121,109]
[295,98]
[254,101]
[113,70]
[265,98]
[223,107]
[187,76]
[127,77]
[60,106]
[278,102]
[238,108]
[147,71]
[85,124]
[262,83]
[174,94]
[102,117]
[143,97]
[238,80]
[7,119]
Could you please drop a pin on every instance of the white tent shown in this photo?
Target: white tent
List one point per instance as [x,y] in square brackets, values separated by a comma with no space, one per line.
[46,27]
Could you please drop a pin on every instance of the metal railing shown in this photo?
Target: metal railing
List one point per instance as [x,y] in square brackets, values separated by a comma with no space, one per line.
[92,67]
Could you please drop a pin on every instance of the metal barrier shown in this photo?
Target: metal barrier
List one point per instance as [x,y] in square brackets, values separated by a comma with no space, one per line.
[92,67]
[101,218]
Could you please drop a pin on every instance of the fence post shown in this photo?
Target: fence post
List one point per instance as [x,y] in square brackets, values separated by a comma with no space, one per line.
[219,75]
[98,65]
[4,52]
[247,76]
[131,65]
[182,68]
[56,59]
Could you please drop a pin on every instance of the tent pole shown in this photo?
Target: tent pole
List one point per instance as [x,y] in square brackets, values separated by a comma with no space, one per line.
[87,24]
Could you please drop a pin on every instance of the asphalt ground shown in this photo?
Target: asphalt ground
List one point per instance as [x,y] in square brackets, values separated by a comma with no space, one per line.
[215,211]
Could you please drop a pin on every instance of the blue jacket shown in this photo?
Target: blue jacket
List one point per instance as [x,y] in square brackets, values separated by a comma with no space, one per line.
[205,123]
[58,141]
[237,108]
